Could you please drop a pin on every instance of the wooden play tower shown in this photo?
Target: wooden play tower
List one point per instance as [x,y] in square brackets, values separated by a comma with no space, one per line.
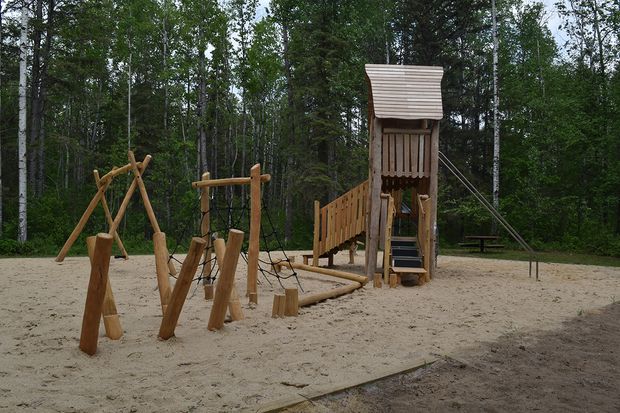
[404,110]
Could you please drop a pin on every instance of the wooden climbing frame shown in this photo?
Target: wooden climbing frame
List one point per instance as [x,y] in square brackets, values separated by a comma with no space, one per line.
[254,180]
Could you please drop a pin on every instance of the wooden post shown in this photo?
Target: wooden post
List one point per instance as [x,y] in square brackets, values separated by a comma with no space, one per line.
[108,216]
[81,223]
[374,199]
[205,227]
[161,267]
[376,281]
[317,229]
[226,280]
[255,215]
[433,195]
[145,196]
[181,288]
[253,298]
[291,307]
[147,204]
[352,252]
[279,303]
[111,319]
[209,289]
[387,247]
[96,293]
[393,280]
[125,203]
[234,306]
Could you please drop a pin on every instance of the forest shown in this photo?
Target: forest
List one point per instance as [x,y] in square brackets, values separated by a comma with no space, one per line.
[208,85]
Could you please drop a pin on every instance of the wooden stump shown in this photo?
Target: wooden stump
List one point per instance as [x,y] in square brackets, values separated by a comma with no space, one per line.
[393,280]
[181,288]
[291,307]
[96,293]
[209,288]
[226,280]
[278,306]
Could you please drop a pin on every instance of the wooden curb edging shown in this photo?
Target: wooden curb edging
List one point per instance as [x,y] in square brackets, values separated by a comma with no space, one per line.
[311,394]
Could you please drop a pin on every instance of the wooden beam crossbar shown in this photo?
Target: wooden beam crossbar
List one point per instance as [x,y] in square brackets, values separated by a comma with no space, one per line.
[264,178]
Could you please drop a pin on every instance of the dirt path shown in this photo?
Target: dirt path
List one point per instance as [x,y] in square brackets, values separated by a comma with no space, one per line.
[574,369]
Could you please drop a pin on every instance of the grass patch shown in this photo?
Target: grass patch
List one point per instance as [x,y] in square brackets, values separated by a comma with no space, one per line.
[546,256]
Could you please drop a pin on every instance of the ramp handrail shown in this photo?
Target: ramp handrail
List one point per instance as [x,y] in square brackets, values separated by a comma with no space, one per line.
[472,189]
[338,222]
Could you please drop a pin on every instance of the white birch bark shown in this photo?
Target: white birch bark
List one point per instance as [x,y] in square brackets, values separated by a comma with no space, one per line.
[22,234]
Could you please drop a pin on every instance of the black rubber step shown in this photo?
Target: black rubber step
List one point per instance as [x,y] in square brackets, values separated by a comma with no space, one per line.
[405,252]
[403,243]
[411,262]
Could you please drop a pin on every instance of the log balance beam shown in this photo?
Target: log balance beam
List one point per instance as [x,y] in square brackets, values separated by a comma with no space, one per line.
[325,271]
[309,299]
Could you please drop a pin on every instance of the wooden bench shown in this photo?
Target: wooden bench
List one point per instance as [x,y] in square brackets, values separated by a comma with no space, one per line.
[308,257]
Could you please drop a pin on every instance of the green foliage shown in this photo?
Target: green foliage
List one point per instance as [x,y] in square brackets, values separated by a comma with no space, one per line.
[286,88]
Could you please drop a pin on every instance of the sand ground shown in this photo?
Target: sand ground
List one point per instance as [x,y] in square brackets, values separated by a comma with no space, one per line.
[251,362]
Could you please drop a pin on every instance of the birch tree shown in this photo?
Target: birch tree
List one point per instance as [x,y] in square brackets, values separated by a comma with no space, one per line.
[22,234]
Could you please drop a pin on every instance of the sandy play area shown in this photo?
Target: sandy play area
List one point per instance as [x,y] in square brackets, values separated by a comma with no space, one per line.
[259,360]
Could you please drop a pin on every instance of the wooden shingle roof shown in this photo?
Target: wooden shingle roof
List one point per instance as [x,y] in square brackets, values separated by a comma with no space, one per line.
[405,92]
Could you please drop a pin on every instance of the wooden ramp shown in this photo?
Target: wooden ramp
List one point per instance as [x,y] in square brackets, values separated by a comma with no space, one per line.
[340,223]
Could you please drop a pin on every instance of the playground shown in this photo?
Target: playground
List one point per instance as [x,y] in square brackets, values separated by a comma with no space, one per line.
[261,360]
[223,318]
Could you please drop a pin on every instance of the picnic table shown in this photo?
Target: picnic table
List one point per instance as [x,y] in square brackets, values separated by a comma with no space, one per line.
[481,241]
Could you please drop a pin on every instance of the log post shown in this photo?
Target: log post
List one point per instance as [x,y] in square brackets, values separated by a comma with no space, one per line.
[96,293]
[278,305]
[81,223]
[108,216]
[433,193]
[291,297]
[161,267]
[111,319]
[181,288]
[317,229]
[205,229]
[374,199]
[125,203]
[234,306]
[144,195]
[226,280]
[255,215]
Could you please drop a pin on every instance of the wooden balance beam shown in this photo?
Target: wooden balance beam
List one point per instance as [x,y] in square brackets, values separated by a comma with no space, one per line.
[325,271]
[310,299]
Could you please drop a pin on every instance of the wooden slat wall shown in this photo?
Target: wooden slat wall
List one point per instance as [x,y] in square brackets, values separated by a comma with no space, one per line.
[342,219]
[406,155]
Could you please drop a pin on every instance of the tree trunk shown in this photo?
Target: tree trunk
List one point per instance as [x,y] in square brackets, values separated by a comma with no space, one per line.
[495,116]
[288,191]
[35,113]
[22,231]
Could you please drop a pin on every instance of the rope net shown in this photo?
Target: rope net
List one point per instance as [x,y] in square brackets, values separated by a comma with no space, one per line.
[227,212]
